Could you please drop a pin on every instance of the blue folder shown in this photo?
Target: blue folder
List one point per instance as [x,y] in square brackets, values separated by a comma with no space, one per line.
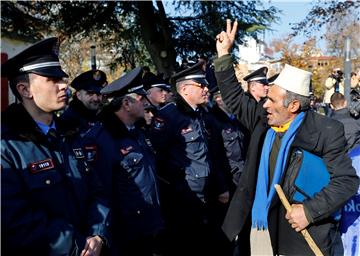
[312,177]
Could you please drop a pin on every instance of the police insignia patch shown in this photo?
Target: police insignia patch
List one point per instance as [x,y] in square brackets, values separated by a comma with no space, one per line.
[229,130]
[42,165]
[90,152]
[186,130]
[158,123]
[126,150]
[78,153]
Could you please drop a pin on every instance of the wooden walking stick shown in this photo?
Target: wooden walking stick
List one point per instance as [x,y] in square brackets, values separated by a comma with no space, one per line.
[304,232]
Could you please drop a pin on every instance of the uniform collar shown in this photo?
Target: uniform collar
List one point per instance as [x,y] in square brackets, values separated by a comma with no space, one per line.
[44,127]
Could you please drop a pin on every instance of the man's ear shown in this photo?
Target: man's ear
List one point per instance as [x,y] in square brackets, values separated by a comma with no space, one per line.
[294,106]
[126,104]
[24,90]
[78,94]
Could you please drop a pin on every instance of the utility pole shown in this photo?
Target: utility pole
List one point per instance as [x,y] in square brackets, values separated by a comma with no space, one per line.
[347,69]
[93,57]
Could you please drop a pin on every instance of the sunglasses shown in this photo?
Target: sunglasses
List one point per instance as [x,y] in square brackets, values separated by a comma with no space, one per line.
[202,86]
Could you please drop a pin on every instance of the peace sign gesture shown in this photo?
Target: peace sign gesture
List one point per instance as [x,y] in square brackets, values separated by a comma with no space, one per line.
[225,40]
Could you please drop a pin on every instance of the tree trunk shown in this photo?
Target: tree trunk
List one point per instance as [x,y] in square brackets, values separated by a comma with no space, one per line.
[155,30]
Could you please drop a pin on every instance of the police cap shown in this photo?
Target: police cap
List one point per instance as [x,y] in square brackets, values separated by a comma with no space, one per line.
[258,75]
[195,73]
[150,80]
[40,58]
[272,78]
[91,81]
[131,82]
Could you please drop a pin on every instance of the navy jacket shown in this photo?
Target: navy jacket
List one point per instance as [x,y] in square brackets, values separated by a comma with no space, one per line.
[181,140]
[51,198]
[235,141]
[125,164]
[78,117]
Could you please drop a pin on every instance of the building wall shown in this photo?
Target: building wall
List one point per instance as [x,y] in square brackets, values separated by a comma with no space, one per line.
[9,48]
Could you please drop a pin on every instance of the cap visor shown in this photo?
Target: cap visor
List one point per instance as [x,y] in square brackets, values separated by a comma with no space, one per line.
[201,81]
[50,72]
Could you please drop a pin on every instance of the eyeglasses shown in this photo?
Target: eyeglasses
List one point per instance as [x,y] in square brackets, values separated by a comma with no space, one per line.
[202,86]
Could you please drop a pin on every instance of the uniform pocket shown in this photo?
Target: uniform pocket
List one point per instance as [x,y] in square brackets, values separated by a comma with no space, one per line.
[131,160]
[43,179]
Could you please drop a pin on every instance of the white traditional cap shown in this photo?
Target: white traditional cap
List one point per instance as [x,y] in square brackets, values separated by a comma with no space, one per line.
[294,80]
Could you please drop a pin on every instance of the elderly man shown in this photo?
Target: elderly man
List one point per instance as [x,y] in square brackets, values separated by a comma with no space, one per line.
[86,102]
[258,85]
[280,125]
[125,162]
[191,178]
[52,202]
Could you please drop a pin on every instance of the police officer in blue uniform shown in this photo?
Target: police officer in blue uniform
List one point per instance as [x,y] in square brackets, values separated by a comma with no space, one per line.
[258,85]
[234,137]
[52,202]
[156,89]
[186,166]
[125,162]
[86,102]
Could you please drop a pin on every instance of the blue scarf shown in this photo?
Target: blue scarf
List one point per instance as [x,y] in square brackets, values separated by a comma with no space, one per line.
[262,198]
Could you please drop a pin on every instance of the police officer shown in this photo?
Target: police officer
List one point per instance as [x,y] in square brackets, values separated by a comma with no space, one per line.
[87,100]
[258,85]
[156,88]
[51,199]
[125,162]
[186,169]
[235,139]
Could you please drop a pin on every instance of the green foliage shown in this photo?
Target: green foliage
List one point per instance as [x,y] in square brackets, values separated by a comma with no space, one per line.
[117,29]
[325,12]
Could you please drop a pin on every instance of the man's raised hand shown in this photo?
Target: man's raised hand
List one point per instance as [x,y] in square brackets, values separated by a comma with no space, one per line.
[225,40]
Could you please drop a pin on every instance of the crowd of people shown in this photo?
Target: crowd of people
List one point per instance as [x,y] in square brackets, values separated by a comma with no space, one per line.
[141,167]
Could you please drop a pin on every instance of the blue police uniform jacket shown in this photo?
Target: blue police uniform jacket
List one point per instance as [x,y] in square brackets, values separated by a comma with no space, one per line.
[235,142]
[181,140]
[78,117]
[51,199]
[125,163]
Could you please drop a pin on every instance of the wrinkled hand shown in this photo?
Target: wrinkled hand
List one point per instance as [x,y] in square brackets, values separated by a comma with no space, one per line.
[93,246]
[297,217]
[225,40]
[224,197]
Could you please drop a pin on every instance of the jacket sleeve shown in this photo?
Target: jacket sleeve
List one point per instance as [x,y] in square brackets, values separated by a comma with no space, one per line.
[99,212]
[343,180]
[239,103]
[160,136]
[25,225]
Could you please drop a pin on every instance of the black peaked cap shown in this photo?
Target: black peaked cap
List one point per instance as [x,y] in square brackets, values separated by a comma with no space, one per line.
[92,81]
[258,75]
[272,78]
[150,80]
[195,73]
[40,58]
[131,82]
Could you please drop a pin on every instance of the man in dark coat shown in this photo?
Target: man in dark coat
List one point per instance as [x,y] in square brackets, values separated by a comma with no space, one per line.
[86,102]
[190,177]
[125,163]
[52,202]
[286,126]
[351,125]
